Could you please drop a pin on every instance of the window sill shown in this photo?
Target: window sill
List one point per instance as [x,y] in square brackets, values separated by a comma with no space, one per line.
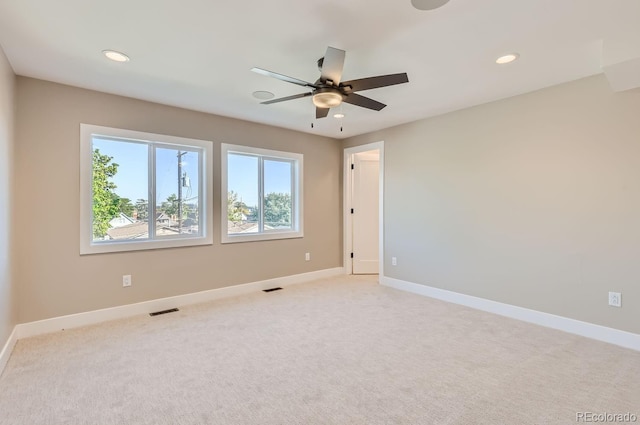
[236,238]
[138,245]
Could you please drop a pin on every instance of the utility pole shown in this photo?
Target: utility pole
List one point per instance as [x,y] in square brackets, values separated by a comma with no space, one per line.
[180,155]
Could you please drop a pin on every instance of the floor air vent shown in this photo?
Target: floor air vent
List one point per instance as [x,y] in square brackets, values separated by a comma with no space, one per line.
[156,313]
[272,289]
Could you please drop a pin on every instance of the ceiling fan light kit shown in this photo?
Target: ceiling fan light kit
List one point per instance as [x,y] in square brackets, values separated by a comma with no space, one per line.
[328,91]
[326,98]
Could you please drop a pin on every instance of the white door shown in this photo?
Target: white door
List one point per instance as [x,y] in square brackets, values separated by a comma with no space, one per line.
[365,215]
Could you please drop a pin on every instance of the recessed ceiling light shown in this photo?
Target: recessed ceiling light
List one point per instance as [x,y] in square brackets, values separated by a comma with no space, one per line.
[428,4]
[115,56]
[507,58]
[338,115]
[263,95]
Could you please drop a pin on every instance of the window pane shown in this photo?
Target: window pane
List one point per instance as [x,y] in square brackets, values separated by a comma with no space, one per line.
[242,194]
[177,203]
[120,190]
[277,198]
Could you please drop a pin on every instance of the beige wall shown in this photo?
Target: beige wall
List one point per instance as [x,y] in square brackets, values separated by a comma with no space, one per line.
[532,201]
[8,292]
[55,280]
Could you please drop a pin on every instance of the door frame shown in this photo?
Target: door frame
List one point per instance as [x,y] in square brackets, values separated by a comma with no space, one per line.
[346,203]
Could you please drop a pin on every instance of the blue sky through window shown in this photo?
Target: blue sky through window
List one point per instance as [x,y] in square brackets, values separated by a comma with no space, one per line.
[132,176]
[243,177]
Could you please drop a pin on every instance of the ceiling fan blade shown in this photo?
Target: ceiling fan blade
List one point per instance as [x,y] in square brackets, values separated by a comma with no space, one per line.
[282,77]
[322,112]
[365,102]
[375,82]
[332,65]
[282,99]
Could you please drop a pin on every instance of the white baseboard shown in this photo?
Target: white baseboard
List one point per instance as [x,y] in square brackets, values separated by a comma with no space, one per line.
[8,349]
[589,330]
[40,327]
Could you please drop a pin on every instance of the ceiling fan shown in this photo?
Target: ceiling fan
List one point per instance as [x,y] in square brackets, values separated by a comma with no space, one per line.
[328,91]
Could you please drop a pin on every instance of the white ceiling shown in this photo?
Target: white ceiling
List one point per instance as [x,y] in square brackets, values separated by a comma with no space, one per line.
[197,54]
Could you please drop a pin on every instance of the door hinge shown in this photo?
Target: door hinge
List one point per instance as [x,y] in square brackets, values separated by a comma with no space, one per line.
[352,255]
[351,210]
[352,166]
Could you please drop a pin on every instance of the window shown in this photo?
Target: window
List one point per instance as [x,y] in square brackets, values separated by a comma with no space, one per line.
[261,194]
[142,191]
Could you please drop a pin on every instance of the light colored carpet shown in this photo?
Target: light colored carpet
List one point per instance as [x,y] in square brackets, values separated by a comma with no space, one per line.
[335,351]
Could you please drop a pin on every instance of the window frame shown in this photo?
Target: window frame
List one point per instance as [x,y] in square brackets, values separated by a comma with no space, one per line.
[205,193]
[297,195]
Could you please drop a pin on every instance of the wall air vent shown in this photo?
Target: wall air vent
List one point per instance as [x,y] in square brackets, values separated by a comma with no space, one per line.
[156,313]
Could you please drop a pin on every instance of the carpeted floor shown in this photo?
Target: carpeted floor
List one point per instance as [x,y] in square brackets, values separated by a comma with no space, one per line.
[336,351]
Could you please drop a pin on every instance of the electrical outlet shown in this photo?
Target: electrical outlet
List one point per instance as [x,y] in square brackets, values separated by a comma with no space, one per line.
[394,261]
[615,299]
[126,280]
[307,256]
